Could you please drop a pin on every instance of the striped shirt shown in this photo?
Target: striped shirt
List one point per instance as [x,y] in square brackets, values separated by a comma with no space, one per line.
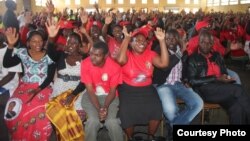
[176,72]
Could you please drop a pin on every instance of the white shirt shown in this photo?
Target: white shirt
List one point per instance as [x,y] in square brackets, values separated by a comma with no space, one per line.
[12,85]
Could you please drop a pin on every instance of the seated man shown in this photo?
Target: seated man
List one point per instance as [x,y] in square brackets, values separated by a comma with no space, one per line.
[192,46]
[208,76]
[101,75]
[172,85]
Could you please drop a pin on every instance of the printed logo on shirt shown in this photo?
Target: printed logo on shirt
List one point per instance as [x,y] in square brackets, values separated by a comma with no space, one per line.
[99,90]
[148,65]
[140,78]
[105,77]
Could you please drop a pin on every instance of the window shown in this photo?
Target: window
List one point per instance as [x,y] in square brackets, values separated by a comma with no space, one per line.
[156,1]
[216,2]
[224,2]
[171,1]
[244,1]
[187,10]
[77,2]
[108,1]
[195,10]
[120,9]
[196,1]
[120,1]
[93,1]
[213,2]
[233,2]
[187,2]
[209,2]
[67,2]
[132,1]
[5,0]
[90,10]
[144,1]
[40,2]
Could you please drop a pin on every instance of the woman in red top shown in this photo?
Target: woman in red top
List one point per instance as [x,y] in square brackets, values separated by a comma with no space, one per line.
[139,102]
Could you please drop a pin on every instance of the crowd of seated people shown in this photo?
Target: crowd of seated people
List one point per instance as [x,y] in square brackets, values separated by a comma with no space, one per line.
[116,69]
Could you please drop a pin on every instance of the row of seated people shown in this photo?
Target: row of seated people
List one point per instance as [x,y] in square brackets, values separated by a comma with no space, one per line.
[130,72]
[118,78]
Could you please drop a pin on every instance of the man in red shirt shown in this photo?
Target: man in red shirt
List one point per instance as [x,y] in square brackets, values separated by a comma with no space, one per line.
[101,75]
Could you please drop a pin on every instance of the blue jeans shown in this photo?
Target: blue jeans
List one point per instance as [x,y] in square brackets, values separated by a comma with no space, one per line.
[168,95]
[234,75]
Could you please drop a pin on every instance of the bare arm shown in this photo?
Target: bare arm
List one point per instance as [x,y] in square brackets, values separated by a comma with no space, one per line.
[161,61]
[6,79]
[108,20]
[92,96]
[122,56]
[110,97]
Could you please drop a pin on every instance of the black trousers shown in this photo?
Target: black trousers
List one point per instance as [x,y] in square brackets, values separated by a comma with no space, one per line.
[4,135]
[232,97]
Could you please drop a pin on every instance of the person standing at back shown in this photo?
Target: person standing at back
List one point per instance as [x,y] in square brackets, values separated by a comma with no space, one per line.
[9,18]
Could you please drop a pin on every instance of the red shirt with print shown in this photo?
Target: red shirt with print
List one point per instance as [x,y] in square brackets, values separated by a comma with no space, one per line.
[213,68]
[114,47]
[102,78]
[138,70]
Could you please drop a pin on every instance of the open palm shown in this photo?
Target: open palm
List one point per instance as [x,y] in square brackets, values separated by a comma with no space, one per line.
[160,34]
[52,28]
[11,36]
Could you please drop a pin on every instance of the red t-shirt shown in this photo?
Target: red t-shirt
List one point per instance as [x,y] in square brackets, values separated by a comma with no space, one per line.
[102,78]
[138,70]
[213,68]
[114,47]
[228,35]
[194,42]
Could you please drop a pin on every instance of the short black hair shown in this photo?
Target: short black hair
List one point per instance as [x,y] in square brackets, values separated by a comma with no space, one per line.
[206,33]
[174,32]
[77,37]
[31,33]
[101,45]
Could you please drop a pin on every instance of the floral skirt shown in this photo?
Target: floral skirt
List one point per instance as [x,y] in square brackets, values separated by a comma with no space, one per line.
[27,121]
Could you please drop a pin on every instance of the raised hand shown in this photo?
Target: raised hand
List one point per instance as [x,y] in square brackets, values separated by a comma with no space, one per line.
[125,32]
[108,19]
[52,28]
[11,36]
[50,6]
[84,16]
[160,34]
[28,17]
[96,6]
